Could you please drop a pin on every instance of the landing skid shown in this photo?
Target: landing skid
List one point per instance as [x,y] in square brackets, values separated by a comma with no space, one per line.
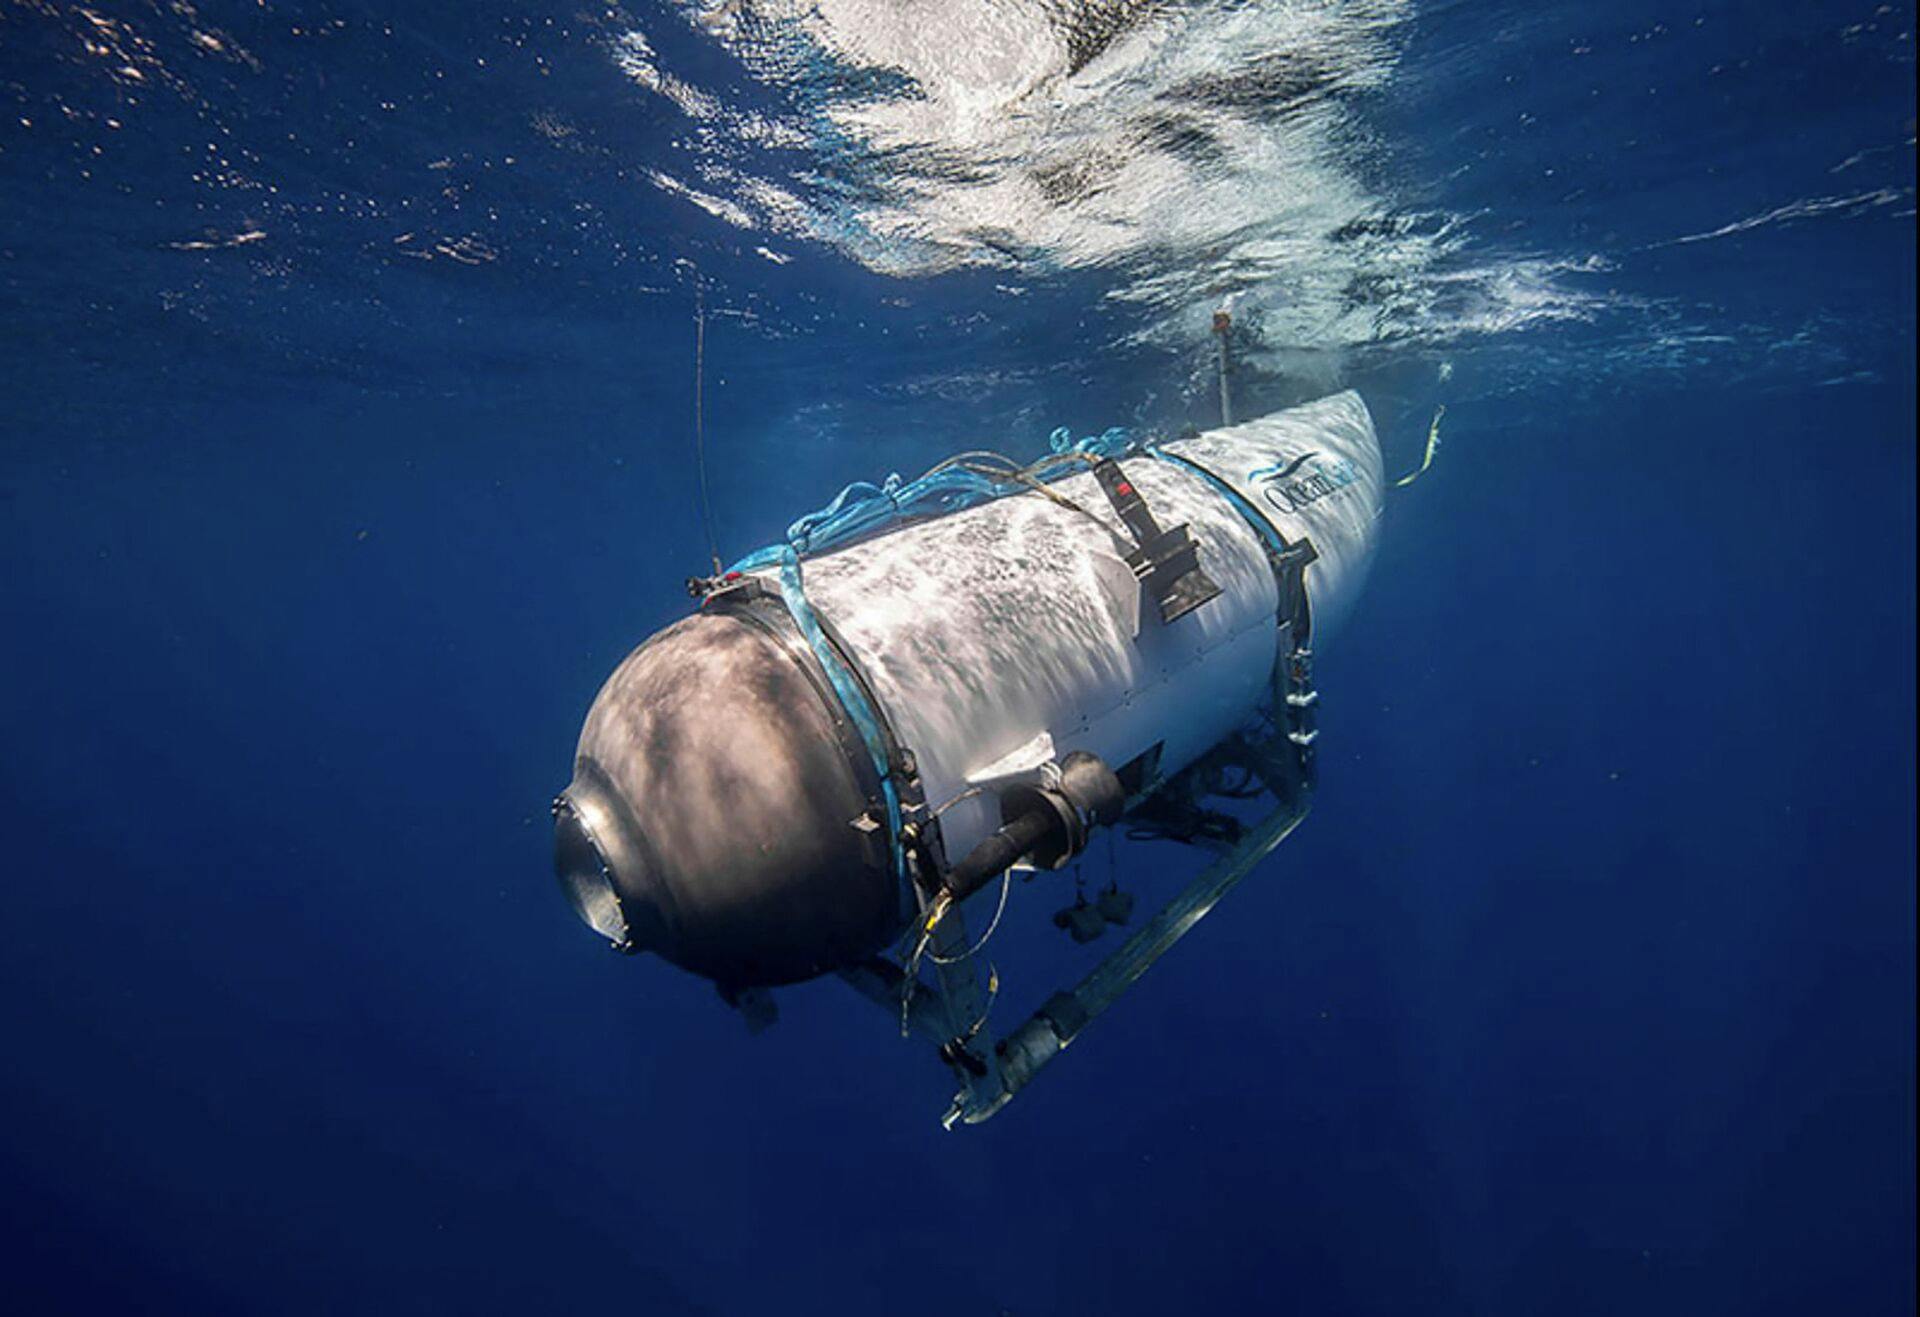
[950,1011]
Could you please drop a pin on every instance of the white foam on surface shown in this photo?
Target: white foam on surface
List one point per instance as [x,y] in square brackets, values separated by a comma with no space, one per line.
[1189,153]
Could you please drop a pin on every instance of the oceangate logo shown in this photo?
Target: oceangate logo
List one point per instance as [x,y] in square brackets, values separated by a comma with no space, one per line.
[1291,486]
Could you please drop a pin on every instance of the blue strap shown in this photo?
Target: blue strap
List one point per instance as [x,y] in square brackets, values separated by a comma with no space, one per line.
[1274,541]
[852,698]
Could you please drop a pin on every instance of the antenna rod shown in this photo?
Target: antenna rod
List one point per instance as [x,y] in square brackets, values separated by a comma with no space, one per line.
[1222,322]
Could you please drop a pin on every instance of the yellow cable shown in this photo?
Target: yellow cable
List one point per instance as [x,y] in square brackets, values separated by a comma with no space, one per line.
[937,911]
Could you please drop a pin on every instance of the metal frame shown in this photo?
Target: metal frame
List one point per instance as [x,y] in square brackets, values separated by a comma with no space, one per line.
[951,1011]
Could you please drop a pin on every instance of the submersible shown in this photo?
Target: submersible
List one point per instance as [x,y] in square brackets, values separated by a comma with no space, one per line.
[857,730]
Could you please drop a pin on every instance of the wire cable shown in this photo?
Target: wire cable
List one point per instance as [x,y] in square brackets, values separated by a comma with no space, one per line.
[699,415]
[1006,881]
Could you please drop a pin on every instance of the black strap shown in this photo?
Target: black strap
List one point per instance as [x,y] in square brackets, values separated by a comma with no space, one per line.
[1294,697]
[1290,574]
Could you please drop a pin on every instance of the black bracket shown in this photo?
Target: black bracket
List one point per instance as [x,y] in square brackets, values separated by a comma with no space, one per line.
[1167,562]
[1295,699]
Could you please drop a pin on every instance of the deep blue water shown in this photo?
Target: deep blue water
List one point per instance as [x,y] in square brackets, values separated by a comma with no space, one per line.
[345,446]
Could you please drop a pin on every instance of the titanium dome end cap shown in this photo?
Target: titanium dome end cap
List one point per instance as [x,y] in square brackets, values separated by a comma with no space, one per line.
[596,855]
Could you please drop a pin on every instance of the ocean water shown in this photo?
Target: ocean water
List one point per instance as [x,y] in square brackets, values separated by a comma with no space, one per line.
[347,443]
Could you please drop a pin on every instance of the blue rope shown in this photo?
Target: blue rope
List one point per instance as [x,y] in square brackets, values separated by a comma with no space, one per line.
[1114,442]
[864,509]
